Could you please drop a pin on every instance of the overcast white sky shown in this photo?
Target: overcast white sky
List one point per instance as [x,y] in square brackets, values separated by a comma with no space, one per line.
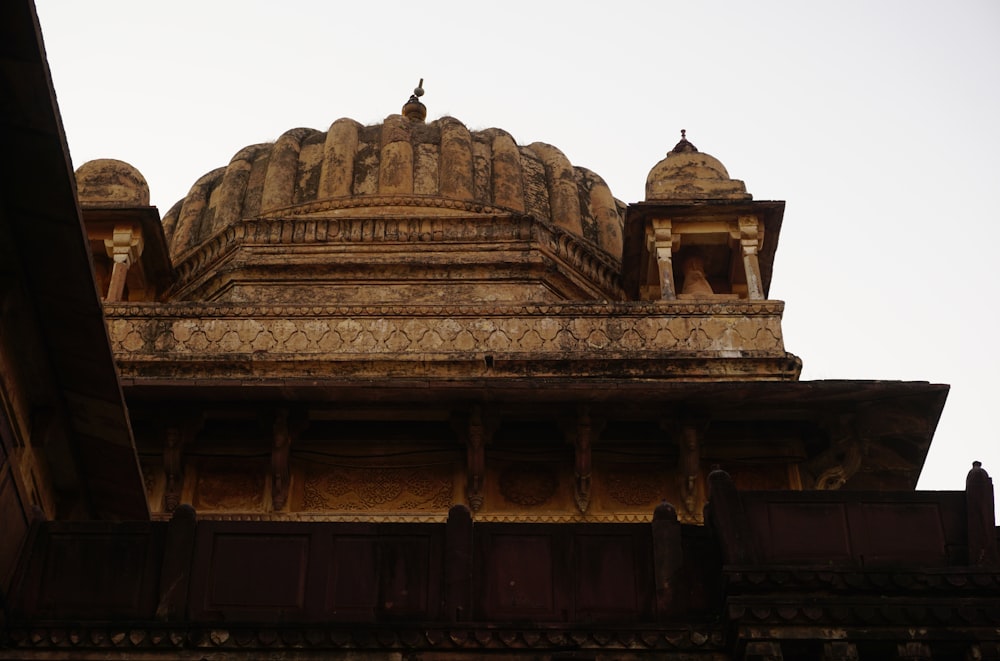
[878,122]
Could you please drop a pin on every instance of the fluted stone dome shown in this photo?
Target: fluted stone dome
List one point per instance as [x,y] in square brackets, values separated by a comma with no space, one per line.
[112,183]
[399,163]
[687,174]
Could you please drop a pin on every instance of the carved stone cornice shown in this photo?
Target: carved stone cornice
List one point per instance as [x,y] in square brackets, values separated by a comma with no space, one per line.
[635,309]
[429,202]
[655,334]
[319,224]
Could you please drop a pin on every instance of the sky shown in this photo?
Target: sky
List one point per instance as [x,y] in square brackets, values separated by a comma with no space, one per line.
[877,122]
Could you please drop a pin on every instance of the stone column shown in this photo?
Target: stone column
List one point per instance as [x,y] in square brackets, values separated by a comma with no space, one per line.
[659,237]
[750,241]
[124,248]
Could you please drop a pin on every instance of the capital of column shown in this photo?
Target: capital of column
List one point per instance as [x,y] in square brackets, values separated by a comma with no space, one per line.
[751,234]
[125,245]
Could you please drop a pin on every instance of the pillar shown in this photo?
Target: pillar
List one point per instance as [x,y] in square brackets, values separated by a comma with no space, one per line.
[750,242]
[124,248]
[659,237]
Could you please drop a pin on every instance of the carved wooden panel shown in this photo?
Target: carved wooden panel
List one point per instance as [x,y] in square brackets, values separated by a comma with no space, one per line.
[806,530]
[522,575]
[390,489]
[230,484]
[352,584]
[410,575]
[611,575]
[891,533]
[867,529]
[253,571]
[93,570]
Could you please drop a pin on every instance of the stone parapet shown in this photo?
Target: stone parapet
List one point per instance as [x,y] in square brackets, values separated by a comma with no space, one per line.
[746,336]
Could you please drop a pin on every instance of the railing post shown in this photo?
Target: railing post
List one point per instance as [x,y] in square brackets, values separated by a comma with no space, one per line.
[981,517]
[458,564]
[175,573]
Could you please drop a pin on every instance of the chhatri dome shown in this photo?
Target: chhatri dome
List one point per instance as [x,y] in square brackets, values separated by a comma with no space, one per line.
[404,162]
[687,174]
[109,182]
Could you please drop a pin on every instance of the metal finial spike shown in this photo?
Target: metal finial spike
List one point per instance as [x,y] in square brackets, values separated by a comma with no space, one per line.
[413,108]
[683,146]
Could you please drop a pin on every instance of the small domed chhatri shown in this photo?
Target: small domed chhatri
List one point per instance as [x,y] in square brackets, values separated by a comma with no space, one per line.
[688,174]
[109,182]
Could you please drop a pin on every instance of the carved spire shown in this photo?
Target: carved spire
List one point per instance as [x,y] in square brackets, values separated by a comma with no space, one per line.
[414,109]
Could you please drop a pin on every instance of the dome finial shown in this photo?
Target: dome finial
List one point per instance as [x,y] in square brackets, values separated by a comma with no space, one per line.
[414,109]
[683,145]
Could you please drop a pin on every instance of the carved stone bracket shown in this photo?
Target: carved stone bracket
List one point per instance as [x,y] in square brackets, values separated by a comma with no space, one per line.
[691,433]
[477,433]
[124,248]
[286,428]
[177,432]
[846,453]
[582,433]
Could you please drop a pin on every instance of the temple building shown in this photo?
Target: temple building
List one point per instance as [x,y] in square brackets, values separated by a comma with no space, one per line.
[415,391]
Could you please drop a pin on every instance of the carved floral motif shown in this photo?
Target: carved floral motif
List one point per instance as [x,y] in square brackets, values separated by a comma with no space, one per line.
[333,488]
[636,488]
[528,485]
[228,485]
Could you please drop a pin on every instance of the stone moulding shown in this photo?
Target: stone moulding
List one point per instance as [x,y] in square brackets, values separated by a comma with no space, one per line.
[395,517]
[474,224]
[579,332]
[149,637]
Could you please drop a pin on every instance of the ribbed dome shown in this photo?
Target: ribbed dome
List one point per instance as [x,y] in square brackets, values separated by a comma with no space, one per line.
[400,159]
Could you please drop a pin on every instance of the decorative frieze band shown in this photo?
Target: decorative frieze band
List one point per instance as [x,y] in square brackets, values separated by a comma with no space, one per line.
[171,331]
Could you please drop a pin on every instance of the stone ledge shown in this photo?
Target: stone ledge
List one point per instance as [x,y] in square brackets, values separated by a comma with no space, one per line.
[293,333]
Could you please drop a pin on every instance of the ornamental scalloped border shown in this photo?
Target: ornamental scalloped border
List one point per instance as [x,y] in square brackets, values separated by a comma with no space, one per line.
[376,517]
[872,610]
[326,636]
[750,581]
[643,309]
